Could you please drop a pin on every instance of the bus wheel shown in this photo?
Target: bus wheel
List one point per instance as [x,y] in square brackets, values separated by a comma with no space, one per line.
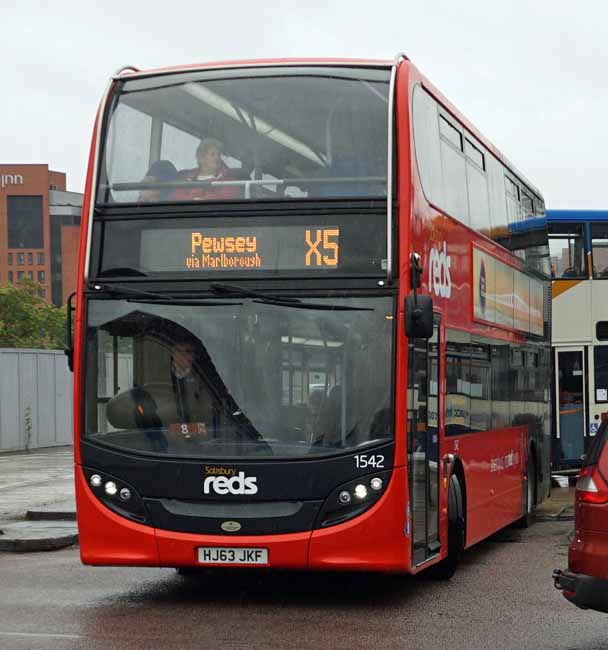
[530,496]
[445,569]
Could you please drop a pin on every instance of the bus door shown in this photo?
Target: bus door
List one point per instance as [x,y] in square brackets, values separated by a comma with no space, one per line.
[423,445]
[570,373]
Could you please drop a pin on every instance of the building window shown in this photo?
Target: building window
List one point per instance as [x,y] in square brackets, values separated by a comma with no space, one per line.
[20,259]
[30,275]
[30,259]
[10,277]
[10,259]
[567,251]
[41,276]
[24,216]
[40,259]
[19,275]
[42,293]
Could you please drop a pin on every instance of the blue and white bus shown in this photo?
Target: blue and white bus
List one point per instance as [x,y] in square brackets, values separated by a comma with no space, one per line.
[578,241]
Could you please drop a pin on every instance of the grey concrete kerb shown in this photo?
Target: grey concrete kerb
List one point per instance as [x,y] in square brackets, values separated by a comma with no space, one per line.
[37,505]
[29,536]
[44,529]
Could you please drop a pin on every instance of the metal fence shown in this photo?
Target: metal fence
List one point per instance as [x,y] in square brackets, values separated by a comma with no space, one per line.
[35,399]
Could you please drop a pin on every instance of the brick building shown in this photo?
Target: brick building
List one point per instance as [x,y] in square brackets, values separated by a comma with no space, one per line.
[39,229]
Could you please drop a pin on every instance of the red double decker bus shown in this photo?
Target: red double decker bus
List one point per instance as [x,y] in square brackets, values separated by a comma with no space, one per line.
[309,331]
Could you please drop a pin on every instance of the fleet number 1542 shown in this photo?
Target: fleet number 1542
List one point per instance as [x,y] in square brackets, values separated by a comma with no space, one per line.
[374,460]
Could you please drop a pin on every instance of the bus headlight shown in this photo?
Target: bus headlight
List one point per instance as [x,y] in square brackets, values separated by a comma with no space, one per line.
[116,494]
[95,480]
[110,488]
[351,499]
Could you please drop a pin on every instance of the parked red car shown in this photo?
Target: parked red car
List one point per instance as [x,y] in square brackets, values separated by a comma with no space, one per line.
[585,583]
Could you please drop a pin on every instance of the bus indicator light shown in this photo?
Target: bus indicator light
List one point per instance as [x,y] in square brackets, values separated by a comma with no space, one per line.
[361,491]
[376,483]
[125,494]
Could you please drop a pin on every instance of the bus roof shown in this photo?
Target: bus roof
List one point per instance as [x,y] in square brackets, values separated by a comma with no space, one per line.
[492,148]
[134,72]
[577,215]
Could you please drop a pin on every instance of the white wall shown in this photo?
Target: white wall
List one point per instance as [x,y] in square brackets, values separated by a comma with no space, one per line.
[35,399]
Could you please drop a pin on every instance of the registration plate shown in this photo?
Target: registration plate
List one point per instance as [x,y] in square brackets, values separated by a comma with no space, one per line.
[232,555]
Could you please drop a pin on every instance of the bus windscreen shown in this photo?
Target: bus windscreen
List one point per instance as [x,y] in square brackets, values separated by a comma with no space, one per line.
[240,377]
[255,133]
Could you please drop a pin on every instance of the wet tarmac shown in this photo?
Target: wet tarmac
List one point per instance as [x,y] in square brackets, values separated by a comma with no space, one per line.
[502,597]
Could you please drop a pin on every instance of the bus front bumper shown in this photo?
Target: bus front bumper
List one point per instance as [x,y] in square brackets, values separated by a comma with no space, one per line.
[586,592]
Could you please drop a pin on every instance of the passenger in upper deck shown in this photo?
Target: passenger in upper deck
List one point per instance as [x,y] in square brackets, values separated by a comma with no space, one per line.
[211,167]
[160,171]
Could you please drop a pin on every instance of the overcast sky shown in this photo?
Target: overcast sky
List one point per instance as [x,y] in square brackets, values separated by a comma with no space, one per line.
[532,76]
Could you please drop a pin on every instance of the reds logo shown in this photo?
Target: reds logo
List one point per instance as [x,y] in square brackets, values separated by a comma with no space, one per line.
[234,484]
[440,279]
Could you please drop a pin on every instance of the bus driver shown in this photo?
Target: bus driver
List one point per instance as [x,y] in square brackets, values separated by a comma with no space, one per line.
[193,402]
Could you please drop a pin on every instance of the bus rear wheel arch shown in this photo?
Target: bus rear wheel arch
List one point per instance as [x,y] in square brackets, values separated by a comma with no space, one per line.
[456,534]
[529,491]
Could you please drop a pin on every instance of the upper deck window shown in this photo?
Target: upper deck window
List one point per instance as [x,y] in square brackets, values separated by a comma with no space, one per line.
[450,133]
[527,205]
[475,155]
[599,246]
[256,133]
[567,250]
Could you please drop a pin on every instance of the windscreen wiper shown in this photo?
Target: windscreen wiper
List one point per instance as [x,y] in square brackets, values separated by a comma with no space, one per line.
[125,292]
[125,271]
[273,299]
[311,305]
[234,290]
[140,295]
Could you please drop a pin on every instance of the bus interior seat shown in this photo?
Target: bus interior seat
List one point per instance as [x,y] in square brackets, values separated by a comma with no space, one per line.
[345,167]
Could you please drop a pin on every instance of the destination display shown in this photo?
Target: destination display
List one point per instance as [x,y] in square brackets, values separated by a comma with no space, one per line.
[234,248]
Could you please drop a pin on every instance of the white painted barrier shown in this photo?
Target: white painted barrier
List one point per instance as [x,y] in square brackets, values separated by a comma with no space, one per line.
[35,399]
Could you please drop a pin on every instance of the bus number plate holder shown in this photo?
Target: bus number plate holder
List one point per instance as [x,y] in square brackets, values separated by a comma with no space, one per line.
[232,555]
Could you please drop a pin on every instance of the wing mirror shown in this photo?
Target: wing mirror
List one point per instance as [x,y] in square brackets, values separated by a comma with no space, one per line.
[69,347]
[418,309]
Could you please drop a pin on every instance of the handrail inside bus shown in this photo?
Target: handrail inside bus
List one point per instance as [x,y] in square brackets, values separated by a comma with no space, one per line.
[161,185]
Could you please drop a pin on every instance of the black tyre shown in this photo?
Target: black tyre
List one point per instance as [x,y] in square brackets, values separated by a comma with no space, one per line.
[456,532]
[529,495]
[189,571]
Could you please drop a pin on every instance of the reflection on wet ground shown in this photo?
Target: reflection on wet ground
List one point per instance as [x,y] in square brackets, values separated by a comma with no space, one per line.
[502,597]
